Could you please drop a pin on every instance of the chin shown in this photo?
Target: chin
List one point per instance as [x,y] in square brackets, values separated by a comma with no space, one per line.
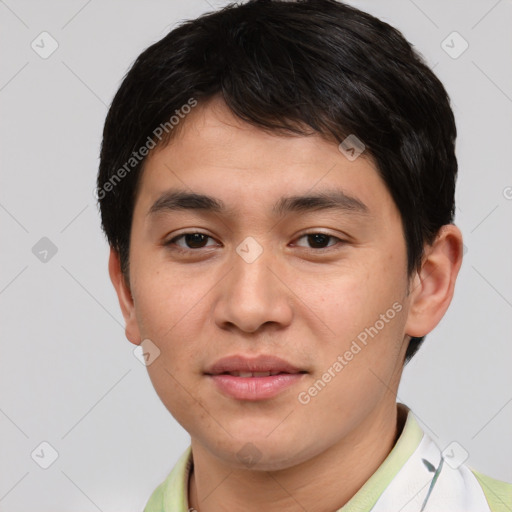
[261,452]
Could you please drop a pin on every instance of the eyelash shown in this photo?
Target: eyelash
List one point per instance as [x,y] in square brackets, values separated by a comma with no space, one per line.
[172,242]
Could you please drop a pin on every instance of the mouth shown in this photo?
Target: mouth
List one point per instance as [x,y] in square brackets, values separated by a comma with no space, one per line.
[244,366]
[253,379]
[246,375]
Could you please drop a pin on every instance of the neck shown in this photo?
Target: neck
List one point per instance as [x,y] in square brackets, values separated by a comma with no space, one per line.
[325,482]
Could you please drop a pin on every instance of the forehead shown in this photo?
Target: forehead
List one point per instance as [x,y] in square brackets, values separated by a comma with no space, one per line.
[217,154]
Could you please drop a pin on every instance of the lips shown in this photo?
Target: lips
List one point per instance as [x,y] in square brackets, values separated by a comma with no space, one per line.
[260,366]
[253,379]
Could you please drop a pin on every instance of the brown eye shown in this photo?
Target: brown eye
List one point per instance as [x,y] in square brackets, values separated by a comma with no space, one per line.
[191,240]
[319,240]
[195,240]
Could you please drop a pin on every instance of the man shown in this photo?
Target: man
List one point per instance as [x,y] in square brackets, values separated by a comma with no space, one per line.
[277,187]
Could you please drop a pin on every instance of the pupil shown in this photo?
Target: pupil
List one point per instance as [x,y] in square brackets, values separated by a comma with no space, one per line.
[195,239]
[318,239]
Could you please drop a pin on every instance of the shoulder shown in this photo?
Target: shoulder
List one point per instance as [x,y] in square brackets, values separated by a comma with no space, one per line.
[172,494]
[497,493]
[156,500]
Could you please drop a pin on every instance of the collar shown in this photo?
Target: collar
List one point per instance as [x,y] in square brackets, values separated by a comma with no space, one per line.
[403,472]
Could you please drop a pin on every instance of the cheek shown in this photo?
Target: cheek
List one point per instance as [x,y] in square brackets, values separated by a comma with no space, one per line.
[357,368]
[367,311]
[165,299]
[353,298]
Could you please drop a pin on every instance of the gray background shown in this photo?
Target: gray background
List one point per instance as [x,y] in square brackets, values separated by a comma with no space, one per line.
[69,377]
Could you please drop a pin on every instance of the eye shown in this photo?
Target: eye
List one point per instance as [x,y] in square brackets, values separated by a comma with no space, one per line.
[319,240]
[192,240]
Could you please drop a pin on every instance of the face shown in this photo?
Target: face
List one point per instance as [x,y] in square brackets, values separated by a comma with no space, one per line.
[312,289]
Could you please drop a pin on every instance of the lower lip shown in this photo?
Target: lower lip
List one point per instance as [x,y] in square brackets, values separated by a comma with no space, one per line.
[255,388]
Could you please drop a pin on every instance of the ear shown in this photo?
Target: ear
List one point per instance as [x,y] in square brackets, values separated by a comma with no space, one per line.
[432,288]
[125,297]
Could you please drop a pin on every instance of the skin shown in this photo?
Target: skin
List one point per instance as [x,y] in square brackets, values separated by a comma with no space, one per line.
[303,303]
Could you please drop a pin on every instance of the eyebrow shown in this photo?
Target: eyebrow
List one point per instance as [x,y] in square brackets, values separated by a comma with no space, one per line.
[176,200]
[324,200]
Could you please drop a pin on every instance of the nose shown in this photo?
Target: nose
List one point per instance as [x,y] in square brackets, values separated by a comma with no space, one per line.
[253,296]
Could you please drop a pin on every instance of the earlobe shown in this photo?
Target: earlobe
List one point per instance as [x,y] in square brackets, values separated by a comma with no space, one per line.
[433,286]
[125,298]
